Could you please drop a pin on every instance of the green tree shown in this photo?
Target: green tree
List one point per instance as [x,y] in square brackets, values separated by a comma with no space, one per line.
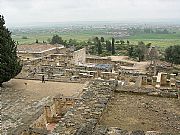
[96,39]
[108,46]
[37,41]
[148,45]
[65,43]
[140,51]
[117,41]
[113,47]
[99,47]
[172,54]
[56,40]
[49,40]
[89,42]
[122,42]
[9,62]
[73,42]
[131,51]
[102,39]
[128,42]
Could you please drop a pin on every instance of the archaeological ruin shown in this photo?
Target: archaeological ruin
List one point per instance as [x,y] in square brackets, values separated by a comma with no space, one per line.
[96,83]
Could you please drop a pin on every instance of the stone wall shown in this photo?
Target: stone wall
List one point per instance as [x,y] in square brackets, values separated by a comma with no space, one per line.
[79,56]
[83,117]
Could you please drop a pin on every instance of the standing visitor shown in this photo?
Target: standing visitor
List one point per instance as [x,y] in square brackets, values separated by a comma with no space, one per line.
[43,80]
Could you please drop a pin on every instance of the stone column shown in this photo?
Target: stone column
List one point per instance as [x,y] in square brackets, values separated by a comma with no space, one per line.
[138,82]
[163,79]
[172,80]
[154,78]
[144,80]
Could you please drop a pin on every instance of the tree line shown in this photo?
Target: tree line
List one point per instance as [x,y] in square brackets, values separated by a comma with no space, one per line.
[97,45]
[100,46]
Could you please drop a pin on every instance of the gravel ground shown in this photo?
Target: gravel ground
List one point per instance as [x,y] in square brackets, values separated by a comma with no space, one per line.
[132,112]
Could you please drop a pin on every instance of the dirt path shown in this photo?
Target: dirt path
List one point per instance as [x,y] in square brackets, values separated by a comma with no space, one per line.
[36,89]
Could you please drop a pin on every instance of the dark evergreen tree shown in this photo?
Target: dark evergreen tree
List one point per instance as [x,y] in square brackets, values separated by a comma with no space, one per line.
[99,47]
[130,51]
[37,41]
[172,54]
[102,39]
[113,47]
[56,40]
[108,45]
[96,39]
[9,62]
[65,43]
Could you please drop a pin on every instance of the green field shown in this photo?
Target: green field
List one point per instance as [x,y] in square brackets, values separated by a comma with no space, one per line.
[156,36]
[162,43]
[160,40]
[44,37]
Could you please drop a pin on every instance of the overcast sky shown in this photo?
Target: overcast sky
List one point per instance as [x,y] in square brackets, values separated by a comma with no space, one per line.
[29,11]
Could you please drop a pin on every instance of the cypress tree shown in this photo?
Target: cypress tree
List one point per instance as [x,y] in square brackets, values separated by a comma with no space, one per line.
[108,46]
[9,62]
[99,47]
[113,47]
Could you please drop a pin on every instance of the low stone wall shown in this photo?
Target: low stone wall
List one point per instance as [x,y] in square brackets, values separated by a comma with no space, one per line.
[84,116]
[148,91]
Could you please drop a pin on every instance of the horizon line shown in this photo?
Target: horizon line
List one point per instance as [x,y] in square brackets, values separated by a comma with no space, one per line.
[130,21]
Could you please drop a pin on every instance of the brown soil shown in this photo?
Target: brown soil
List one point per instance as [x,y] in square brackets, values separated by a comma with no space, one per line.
[137,112]
[36,90]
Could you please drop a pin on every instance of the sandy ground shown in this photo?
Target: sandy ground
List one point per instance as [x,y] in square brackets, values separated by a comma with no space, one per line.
[137,112]
[36,89]
[137,65]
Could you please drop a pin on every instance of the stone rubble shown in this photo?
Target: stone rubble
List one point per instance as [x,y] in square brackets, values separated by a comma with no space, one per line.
[25,111]
[84,116]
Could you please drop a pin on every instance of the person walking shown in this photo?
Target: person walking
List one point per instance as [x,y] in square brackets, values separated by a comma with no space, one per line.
[43,80]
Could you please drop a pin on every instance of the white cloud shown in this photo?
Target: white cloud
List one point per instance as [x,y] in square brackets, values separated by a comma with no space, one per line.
[27,11]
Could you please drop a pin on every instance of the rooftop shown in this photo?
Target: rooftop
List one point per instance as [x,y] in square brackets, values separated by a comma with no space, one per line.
[36,48]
